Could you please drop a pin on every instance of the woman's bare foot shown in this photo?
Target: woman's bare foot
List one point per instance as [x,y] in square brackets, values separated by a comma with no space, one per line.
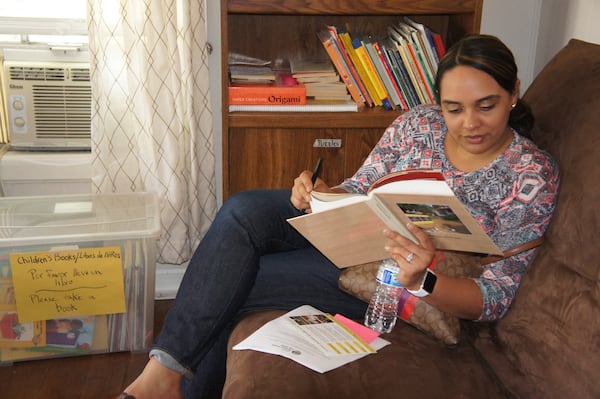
[156,382]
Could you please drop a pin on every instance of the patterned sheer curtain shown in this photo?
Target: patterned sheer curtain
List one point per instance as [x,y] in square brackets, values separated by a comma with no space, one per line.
[151,117]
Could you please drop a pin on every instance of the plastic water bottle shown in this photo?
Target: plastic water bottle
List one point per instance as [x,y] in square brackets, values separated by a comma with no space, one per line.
[383,307]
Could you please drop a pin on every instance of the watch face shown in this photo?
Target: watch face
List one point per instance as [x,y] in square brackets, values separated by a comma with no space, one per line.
[429,282]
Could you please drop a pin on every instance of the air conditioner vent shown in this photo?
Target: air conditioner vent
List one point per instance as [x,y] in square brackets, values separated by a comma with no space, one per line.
[62,111]
[80,74]
[37,73]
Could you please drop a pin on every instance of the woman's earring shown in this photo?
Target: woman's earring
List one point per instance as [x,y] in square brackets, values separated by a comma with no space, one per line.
[513,105]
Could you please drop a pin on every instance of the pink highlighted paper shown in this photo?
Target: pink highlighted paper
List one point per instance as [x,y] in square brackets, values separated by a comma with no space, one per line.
[365,333]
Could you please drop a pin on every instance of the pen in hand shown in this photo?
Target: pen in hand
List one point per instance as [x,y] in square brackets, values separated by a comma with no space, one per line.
[316,171]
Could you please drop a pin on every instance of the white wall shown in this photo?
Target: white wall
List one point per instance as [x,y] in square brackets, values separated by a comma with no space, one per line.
[516,23]
[563,20]
[536,30]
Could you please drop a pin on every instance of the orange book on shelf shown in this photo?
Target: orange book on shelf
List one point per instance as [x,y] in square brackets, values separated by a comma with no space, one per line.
[266,94]
[340,65]
[351,67]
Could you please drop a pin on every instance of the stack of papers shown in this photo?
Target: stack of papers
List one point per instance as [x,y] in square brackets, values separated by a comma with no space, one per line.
[314,339]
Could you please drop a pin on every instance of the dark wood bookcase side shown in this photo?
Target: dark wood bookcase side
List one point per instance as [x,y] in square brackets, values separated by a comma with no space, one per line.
[267,150]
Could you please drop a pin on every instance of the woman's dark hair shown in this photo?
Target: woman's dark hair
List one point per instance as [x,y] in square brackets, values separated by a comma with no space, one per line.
[488,54]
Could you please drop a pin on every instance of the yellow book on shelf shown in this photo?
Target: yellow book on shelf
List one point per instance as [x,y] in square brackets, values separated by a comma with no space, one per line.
[372,73]
[364,76]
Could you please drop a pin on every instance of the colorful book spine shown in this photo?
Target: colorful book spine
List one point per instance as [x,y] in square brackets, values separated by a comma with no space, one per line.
[381,74]
[421,59]
[390,76]
[402,74]
[421,71]
[266,94]
[339,63]
[440,48]
[351,67]
[347,42]
[425,40]
[372,73]
[408,61]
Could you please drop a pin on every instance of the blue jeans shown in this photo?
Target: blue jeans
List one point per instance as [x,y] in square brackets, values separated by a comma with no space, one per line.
[250,259]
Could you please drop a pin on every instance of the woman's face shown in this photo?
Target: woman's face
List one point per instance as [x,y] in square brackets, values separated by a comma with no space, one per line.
[476,109]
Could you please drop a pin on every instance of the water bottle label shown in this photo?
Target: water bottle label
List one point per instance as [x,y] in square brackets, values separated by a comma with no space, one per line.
[388,275]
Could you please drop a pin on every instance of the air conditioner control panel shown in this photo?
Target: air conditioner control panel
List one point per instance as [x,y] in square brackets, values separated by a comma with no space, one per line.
[17,113]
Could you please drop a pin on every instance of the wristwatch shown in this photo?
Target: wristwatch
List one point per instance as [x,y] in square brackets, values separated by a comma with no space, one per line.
[427,285]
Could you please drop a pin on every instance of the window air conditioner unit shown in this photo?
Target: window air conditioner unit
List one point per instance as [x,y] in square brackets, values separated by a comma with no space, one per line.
[49,105]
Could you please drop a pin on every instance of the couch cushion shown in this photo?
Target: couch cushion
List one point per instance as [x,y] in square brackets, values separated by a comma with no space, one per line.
[414,366]
[548,345]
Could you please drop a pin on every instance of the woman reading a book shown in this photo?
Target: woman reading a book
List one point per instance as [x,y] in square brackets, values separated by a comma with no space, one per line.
[251,258]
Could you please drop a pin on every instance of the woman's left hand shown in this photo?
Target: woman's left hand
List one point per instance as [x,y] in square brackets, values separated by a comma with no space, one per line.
[412,258]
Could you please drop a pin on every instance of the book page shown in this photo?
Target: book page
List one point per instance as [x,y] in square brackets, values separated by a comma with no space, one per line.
[411,182]
[444,218]
[425,187]
[322,201]
[424,198]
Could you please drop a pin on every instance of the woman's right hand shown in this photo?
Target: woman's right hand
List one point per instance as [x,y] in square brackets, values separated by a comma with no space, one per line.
[302,188]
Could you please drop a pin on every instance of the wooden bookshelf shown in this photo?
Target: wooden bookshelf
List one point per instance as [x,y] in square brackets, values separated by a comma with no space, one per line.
[268,150]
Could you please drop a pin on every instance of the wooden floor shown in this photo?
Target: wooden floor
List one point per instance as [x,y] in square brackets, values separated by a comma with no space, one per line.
[102,376]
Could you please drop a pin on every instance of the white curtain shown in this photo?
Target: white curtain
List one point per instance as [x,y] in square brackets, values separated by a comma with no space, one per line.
[151,116]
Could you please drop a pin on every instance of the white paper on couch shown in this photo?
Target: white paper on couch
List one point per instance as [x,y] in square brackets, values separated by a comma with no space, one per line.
[281,337]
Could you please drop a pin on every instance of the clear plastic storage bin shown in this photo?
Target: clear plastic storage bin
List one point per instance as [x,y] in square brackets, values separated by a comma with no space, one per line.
[37,227]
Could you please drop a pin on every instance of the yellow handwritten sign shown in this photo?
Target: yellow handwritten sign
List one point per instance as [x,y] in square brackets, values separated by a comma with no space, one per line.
[68,283]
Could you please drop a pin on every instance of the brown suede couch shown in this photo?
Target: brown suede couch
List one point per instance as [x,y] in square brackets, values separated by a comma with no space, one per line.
[547,346]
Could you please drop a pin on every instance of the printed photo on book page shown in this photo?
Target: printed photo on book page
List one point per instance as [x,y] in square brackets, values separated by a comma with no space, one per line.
[330,336]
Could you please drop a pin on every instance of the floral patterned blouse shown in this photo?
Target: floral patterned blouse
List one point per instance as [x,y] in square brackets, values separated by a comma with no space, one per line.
[513,198]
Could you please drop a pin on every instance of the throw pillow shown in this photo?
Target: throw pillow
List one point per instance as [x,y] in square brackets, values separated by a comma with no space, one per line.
[360,282]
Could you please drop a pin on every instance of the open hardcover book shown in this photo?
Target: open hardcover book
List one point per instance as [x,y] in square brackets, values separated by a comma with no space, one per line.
[348,228]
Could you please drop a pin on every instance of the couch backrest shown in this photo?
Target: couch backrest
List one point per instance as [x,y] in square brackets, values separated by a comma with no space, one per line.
[551,336]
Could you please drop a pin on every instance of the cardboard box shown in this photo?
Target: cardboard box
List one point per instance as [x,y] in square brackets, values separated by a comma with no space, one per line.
[77,274]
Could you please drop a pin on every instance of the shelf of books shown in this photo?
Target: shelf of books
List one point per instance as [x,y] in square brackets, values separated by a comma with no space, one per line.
[388,65]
